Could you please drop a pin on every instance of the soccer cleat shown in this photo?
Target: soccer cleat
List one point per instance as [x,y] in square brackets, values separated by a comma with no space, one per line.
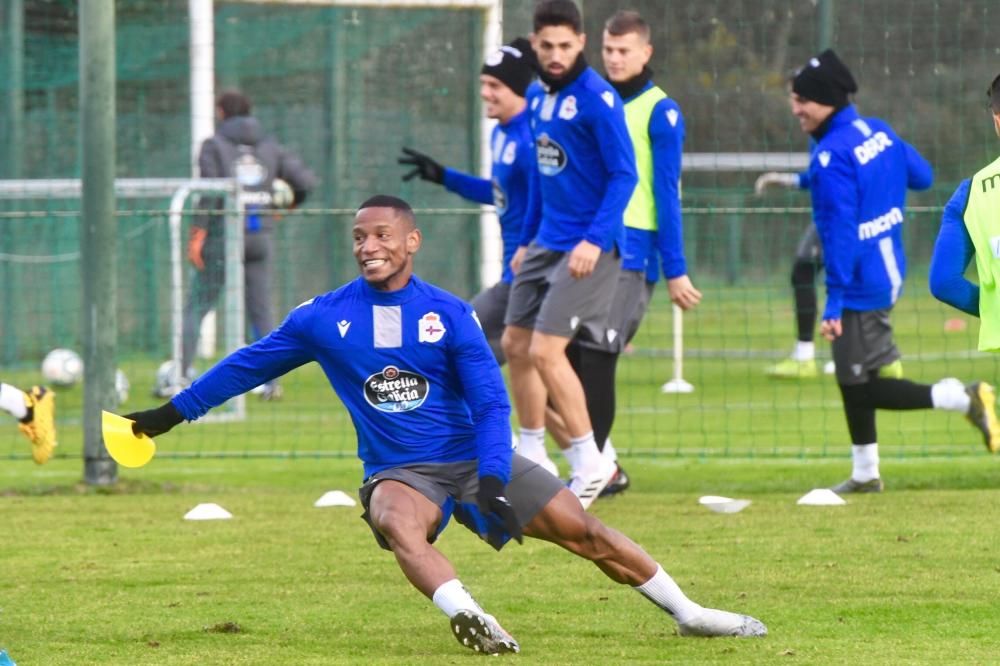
[619,483]
[983,413]
[792,369]
[482,633]
[829,368]
[712,622]
[892,371]
[588,487]
[39,424]
[852,486]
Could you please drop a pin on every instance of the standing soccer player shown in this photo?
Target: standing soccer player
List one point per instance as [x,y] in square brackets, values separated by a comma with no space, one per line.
[568,263]
[653,230]
[35,413]
[970,228]
[858,175]
[503,80]
[430,408]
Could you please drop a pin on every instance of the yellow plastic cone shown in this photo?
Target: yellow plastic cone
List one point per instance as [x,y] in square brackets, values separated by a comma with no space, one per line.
[127,449]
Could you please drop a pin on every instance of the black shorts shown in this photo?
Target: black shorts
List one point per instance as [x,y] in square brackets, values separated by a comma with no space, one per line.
[452,487]
[865,345]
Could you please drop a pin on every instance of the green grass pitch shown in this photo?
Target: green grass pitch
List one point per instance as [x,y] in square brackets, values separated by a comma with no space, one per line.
[117,577]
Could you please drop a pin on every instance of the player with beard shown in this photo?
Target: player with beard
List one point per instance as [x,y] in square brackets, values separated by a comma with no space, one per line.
[566,269]
[653,230]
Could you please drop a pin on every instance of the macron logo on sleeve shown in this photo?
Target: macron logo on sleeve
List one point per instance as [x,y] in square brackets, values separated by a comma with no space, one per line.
[824,158]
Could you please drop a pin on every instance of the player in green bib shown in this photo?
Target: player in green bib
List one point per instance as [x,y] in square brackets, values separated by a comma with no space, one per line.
[970,227]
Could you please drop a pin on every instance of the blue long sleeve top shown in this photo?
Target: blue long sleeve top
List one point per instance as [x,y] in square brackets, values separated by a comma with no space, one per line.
[859,173]
[412,367]
[514,168]
[953,251]
[586,165]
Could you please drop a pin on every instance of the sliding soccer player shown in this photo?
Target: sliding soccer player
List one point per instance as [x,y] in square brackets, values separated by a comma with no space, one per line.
[429,404]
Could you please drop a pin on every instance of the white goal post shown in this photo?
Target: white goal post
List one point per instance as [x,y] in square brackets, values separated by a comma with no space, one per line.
[706,162]
[177,190]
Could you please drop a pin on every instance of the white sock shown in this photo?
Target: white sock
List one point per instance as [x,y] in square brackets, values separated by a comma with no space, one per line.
[664,592]
[609,451]
[865,462]
[452,597]
[12,400]
[531,445]
[804,351]
[950,394]
[585,453]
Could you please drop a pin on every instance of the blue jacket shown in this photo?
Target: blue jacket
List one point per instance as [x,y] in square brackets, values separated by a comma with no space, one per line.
[514,169]
[858,176]
[953,251]
[586,162]
[411,366]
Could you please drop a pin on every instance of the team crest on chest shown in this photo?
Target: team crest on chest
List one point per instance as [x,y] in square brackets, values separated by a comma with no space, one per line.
[431,329]
[567,110]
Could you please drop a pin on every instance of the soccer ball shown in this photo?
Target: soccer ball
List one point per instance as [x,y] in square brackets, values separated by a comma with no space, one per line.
[282,195]
[166,386]
[62,367]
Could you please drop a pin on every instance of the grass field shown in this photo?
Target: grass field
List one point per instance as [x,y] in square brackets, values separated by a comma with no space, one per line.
[117,577]
[909,577]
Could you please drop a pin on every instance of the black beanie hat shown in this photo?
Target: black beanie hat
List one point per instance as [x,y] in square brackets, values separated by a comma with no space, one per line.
[825,79]
[514,64]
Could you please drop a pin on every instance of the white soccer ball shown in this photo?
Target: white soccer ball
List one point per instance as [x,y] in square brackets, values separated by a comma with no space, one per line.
[62,367]
[282,195]
[165,386]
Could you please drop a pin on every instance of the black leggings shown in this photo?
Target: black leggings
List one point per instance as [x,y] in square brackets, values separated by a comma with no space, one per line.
[861,401]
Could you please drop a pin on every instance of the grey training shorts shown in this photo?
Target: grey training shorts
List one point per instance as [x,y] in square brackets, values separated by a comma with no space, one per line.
[632,296]
[491,307]
[452,487]
[546,298]
[865,345]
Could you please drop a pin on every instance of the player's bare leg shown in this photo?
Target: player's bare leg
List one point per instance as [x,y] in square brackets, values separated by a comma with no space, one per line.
[529,395]
[591,471]
[408,520]
[563,522]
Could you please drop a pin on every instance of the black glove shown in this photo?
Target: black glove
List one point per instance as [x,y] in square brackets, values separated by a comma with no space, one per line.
[426,168]
[155,422]
[490,498]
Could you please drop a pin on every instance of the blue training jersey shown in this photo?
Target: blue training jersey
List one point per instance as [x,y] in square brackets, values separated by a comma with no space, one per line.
[646,249]
[586,165]
[953,251]
[859,172]
[514,167]
[412,367]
